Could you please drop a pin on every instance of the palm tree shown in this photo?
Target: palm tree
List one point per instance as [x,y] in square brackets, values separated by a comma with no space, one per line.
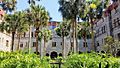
[40,18]
[70,10]
[12,24]
[63,31]
[23,26]
[2,26]
[32,1]
[29,20]
[92,10]
[45,34]
[84,32]
[9,5]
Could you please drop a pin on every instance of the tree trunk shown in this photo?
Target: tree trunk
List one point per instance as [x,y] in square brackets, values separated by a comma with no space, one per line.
[44,45]
[18,41]
[92,34]
[13,34]
[85,43]
[74,36]
[110,24]
[40,47]
[71,43]
[29,41]
[37,31]
[63,52]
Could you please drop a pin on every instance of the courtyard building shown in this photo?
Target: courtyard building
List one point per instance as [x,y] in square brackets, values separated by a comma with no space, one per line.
[109,25]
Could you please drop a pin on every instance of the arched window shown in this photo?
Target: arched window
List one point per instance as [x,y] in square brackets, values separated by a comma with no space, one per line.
[60,54]
[47,54]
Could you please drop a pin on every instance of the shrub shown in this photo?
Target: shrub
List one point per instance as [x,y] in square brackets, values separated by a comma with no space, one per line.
[91,60]
[21,60]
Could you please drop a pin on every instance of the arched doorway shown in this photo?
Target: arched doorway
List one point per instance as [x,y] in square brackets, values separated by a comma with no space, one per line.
[53,55]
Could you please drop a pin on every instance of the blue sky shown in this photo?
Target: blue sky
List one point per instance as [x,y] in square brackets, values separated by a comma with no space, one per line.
[51,6]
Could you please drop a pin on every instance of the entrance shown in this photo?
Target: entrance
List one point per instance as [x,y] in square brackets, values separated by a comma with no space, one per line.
[53,55]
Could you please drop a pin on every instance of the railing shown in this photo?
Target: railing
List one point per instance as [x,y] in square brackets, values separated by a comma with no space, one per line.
[57,64]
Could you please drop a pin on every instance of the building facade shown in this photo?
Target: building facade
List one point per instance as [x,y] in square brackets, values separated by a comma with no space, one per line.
[5,38]
[109,25]
[53,46]
[5,42]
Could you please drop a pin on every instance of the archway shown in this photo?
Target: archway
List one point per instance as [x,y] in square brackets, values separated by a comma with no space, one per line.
[47,54]
[53,55]
[60,54]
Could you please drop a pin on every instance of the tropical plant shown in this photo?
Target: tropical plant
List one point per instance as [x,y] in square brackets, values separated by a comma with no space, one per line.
[111,46]
[93,10]
[70,10]
[40,18]
[8,5]
[63,31]
[46,35]
[84,32]
[23,27]
[91,60]
[22,60]
[2,26]
[13,23]
[29,20]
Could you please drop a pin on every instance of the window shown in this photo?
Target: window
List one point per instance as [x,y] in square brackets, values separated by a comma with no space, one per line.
[47,54]
[21,45]
[53,44]
[24,34]
[98,43]
[72,35]
[100,30]
[32,34]
[61,43]
[50,38]
[7,43]
[118,21]
[34,44]
[2,40]
[26,44]
[71,46]
[104,29]
[85,44]
[35,34]
[97,32]
[60,54]
[115,23]
[119,36]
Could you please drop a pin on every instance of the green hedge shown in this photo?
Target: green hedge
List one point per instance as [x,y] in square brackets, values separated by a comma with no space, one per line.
[91,60]
[21,60]
[85,60]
